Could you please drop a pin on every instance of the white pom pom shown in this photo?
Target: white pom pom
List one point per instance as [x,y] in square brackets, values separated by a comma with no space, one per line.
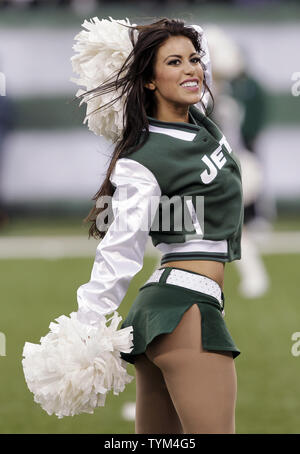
[101,51]
[75,365]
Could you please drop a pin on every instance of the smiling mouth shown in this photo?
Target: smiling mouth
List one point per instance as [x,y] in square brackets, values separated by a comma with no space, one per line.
[190,84]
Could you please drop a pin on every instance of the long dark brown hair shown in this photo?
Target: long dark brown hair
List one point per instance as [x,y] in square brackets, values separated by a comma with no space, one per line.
[137,70]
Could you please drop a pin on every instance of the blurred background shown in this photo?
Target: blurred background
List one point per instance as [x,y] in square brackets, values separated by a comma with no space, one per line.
[51,166]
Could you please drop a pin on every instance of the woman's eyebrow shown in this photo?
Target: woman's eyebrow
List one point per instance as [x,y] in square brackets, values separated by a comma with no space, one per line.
[180,56]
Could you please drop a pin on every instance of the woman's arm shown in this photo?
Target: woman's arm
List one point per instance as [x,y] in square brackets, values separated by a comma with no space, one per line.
[120,254]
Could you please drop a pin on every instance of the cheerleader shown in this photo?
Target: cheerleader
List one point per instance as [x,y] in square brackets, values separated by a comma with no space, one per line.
[173,177]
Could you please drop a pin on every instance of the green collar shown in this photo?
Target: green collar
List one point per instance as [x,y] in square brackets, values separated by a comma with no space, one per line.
[200,120]
[195,115]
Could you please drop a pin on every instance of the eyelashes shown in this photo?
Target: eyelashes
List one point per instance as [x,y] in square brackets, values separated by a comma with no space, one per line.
[195,59]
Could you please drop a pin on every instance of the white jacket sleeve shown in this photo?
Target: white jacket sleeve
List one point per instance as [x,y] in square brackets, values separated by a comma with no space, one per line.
[120,254]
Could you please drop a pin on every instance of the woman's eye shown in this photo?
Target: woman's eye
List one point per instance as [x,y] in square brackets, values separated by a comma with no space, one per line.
[194,60]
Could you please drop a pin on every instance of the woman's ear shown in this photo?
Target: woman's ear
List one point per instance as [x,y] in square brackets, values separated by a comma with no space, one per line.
[150,86]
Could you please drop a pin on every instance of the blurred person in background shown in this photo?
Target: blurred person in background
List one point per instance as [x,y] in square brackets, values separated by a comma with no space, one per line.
[250,95]
[239,110]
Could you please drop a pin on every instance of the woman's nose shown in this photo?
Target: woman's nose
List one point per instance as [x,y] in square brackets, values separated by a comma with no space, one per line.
[189,68]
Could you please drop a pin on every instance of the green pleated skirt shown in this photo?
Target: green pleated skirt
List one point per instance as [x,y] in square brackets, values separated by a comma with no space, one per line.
[159,307]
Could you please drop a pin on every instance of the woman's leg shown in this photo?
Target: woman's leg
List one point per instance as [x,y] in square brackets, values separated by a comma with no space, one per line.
[202,384]
[155,412]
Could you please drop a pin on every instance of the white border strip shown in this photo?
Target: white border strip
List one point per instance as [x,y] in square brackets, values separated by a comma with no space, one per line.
[183,135]
[196,245]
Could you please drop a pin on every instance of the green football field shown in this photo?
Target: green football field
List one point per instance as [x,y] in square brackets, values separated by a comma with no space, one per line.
[34,292]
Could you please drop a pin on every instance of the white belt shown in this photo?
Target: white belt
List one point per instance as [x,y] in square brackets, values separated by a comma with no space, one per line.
[191,281]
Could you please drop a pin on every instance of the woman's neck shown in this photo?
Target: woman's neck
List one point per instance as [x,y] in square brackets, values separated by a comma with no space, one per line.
[172,115]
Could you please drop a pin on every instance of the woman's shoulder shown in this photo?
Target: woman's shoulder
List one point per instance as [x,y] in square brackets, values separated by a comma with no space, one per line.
[147,151]
[131,171]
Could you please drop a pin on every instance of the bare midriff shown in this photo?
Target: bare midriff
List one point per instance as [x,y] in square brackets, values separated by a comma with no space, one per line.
[210,268]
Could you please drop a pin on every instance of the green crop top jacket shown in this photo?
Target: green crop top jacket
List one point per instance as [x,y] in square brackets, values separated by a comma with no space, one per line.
[183,188]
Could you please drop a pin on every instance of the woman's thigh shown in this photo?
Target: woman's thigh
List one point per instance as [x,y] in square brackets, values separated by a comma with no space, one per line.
[201,383]
[155,412]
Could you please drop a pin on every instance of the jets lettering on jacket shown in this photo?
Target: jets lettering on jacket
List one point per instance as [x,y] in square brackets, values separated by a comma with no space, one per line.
[214,162]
